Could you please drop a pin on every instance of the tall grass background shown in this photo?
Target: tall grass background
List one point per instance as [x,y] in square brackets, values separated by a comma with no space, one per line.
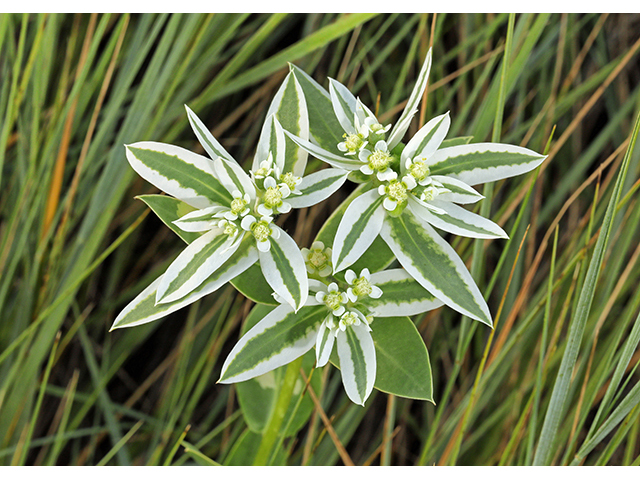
[556,382]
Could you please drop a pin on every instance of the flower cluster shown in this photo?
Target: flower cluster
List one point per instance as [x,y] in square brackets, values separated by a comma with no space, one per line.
[228,218]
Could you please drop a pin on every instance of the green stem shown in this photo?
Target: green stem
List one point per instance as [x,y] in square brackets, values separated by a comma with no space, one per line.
[277,416]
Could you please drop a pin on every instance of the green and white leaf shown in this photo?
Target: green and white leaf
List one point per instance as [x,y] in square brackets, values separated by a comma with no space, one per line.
[325,155]
[401,295]
[257,397]
[168,209]
[206,139]
[144,309]
[402,125]
[359,227]
[317,187]
[376,257]
[452,142]
[344,105]
[324,345]
[178,172]
[324,128]
[483,162]
[271,142]
[284,269]
[233,177]
[459,192]
[290,109]
[428,139]
[200,220]
[456,219]
[357,355]
[434,264]
[195,264]
[279,338]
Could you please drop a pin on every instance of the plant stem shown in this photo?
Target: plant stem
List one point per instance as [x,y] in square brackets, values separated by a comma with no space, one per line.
[277,416]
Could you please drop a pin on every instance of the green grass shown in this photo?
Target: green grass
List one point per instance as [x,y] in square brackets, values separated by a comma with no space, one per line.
[556,382]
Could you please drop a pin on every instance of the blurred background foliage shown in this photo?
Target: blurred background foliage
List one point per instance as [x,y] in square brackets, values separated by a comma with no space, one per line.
[75,247]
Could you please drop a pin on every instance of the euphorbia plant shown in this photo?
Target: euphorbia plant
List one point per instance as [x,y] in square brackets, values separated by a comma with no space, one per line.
[337,295]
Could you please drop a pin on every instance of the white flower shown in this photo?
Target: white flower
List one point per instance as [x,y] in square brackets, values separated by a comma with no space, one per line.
[273,198]
[396,193]
[378,162]
[333,298]
[262,230]
[239,205]
[317,259]
[361,286]
[265,169]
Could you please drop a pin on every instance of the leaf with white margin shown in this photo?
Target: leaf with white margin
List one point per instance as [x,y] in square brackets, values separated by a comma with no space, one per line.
[326,156]
[233,177]
[200,220]
[403,123]
[195,264]
[459,192]
[376,257]
[324,345]
[401,295]
[428,139]
[324,128]
[357,355]
[144,309]
[284,269]
[344,105]
[206,139]
[317,187]
[434,264]
[456,219]
[168,209]
[271,142]
[290,109]
[178,172]
[483,162]
[358,229]
[279,338]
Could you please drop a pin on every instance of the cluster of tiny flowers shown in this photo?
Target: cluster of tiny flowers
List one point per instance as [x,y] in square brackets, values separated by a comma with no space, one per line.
[343,304]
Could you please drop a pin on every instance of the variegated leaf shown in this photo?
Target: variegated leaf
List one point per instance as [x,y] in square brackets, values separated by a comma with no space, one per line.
[344,105]
[178,172]
[279,338]
[318,187]
[402,125]
[455,219]
[168,209]
[290,109]
[434,264]
[195,264]
[401,295]
[483,162]
[324,345]
[144,309]
[357,362]
[324,128]
[206,139]
[358,229]
[200,220]
[459,192]
[233,177]
[428,139]
[271,142]
[284,269]
[326,156]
